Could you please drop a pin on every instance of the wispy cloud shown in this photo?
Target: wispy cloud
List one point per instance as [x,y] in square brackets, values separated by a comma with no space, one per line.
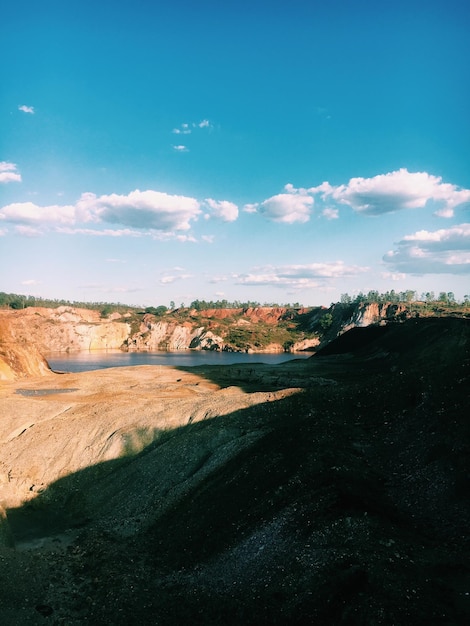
[175,275]
[182,130]
[28,231]
[107,289]
[306,276]
[395,276]
[9,173]
[30,282]
[107,232]
[444,251]
[330,214]
[187,129]
[180,148]
[250,208]
[26,109]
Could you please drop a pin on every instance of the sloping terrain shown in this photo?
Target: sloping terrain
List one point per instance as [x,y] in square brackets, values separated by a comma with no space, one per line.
[327,491]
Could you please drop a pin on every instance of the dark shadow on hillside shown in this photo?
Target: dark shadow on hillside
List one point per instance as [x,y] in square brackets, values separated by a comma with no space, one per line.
[342,504]
[415,344]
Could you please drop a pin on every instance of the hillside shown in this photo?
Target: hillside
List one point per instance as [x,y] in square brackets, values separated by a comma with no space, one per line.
[329,491]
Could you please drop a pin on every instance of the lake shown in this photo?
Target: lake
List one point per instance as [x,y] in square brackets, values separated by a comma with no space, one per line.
[101,359]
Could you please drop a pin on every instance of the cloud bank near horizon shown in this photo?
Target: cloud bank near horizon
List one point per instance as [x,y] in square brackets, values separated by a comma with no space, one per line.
[441,251]
[164,216]
[299,276]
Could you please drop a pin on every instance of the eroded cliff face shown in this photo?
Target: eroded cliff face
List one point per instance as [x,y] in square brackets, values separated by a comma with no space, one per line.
[364,313]
[28,333]
[169,335]
[64,329]
[19,358]
[21,361]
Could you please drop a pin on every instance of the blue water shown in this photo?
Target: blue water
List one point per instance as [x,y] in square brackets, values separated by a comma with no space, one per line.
[96,360]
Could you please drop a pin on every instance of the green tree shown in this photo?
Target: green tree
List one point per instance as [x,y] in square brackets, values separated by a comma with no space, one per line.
[326,321]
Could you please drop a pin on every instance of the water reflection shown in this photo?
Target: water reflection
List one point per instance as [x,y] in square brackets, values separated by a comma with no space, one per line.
[102,359]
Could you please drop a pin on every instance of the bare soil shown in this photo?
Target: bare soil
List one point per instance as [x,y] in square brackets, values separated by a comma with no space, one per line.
[326,491]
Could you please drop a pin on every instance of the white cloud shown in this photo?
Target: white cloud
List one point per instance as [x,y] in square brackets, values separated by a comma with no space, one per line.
[26,109]
[397,191]
[222,209]
[153,210]
[298,276]
[29,213]
[385,193]
[288,208]
[433,252]
[158,212]
[180,148]
[330,214]
[204,124]
[6,167]
[445,212]
[9,173]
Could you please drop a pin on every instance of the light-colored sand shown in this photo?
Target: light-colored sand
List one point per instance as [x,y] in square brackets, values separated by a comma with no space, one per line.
[53,426]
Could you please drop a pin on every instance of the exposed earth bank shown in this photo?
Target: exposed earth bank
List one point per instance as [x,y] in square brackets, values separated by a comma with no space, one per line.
[326,491]
[28,333]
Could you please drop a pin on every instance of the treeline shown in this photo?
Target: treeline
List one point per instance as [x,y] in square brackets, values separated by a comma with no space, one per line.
[203,305]
[18,301]
[409,296]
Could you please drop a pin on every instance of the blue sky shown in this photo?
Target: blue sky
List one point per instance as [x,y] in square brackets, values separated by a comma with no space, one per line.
[272,151]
